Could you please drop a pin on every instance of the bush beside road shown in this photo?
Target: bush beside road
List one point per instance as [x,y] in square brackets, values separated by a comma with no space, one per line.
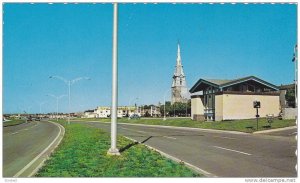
[83,153]
[235,125]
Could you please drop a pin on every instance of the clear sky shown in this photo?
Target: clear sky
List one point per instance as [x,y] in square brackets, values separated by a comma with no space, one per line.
[73,40]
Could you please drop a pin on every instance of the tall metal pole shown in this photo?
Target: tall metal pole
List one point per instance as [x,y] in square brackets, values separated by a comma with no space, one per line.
[296,71]
[165,109]
[69,101]
[113,149]
[57,108]
[174,109]
[186,104]
[165,104]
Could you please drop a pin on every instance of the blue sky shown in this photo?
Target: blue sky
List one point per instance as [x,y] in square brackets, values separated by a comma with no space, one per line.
[73,40]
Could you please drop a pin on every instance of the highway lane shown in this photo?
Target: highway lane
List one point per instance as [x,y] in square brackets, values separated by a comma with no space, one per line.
[221,154]
[22,143]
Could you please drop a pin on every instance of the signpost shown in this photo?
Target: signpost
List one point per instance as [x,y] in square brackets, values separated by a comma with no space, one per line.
[256,104]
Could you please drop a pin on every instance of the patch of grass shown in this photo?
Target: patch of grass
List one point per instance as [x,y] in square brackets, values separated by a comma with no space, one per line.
[83,153]
[13,122]
[235,125]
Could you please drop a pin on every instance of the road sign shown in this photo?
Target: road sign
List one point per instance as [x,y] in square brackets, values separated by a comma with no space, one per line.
[256,104]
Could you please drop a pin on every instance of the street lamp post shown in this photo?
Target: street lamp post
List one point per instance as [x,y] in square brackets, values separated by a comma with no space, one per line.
[114,109]
[133,99]
[165,104]
[42,103]
[69,83]
[295,60]
[57,99]
[186,105]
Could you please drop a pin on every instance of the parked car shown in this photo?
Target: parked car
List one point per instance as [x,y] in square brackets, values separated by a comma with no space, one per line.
[134,116]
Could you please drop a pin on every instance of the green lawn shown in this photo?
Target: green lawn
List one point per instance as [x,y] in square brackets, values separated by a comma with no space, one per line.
[83,153]
[13,122]
[236,125]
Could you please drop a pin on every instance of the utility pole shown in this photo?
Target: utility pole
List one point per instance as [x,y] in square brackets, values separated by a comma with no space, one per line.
[113,149]
[295,60]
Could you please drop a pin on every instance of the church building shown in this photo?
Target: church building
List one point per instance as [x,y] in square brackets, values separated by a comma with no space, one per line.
[179,89]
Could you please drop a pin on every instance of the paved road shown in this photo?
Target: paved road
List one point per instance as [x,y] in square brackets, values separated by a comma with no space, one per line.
[285,133]
[221,154]
[22,143]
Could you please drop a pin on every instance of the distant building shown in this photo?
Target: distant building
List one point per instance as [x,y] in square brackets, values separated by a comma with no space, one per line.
[150,111]
[180,92]
[89,114]
[219,100]
[123,111]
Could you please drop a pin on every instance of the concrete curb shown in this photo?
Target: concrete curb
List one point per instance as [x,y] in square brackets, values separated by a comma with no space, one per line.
[190,166]
[43,156]
[184,128]
[275,130]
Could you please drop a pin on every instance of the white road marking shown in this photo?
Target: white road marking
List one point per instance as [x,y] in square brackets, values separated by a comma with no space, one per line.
[169,137]
[41,164]
[225,137]
[142,131]
[232,150]
[293,133]
[38,156]
[24,129]
[125,128]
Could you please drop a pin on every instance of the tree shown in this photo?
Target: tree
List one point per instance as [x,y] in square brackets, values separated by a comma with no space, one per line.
[168,108]
[180,109]
[290,97]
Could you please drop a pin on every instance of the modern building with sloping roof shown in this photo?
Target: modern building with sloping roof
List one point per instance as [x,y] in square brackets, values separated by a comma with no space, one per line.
[219,99]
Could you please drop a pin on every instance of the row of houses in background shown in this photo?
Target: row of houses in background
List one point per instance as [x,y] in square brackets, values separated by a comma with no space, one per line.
[215,99]
[124,111]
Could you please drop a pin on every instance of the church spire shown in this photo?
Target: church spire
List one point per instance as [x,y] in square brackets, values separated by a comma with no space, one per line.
[179,89]
[178,54]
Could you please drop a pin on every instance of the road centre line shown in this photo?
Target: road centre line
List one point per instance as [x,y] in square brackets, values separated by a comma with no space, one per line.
[24,129]
[169,137]
[293,133]
[224,137]
[133,130]
[125,128]
[141,131]
[232,150]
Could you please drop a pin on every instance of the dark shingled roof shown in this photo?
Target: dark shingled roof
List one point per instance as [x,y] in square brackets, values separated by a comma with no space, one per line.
[227,82]
[218,81]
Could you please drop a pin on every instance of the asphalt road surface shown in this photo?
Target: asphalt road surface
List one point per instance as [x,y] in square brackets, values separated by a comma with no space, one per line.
[284,133]
[22,143]
[220,154]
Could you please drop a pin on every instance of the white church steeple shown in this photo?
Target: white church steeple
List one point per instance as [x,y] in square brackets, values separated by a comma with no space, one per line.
[179,89]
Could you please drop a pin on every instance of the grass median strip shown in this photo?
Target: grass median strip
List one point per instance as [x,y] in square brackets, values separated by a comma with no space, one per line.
[235,125]
[83,153]
[13,122]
